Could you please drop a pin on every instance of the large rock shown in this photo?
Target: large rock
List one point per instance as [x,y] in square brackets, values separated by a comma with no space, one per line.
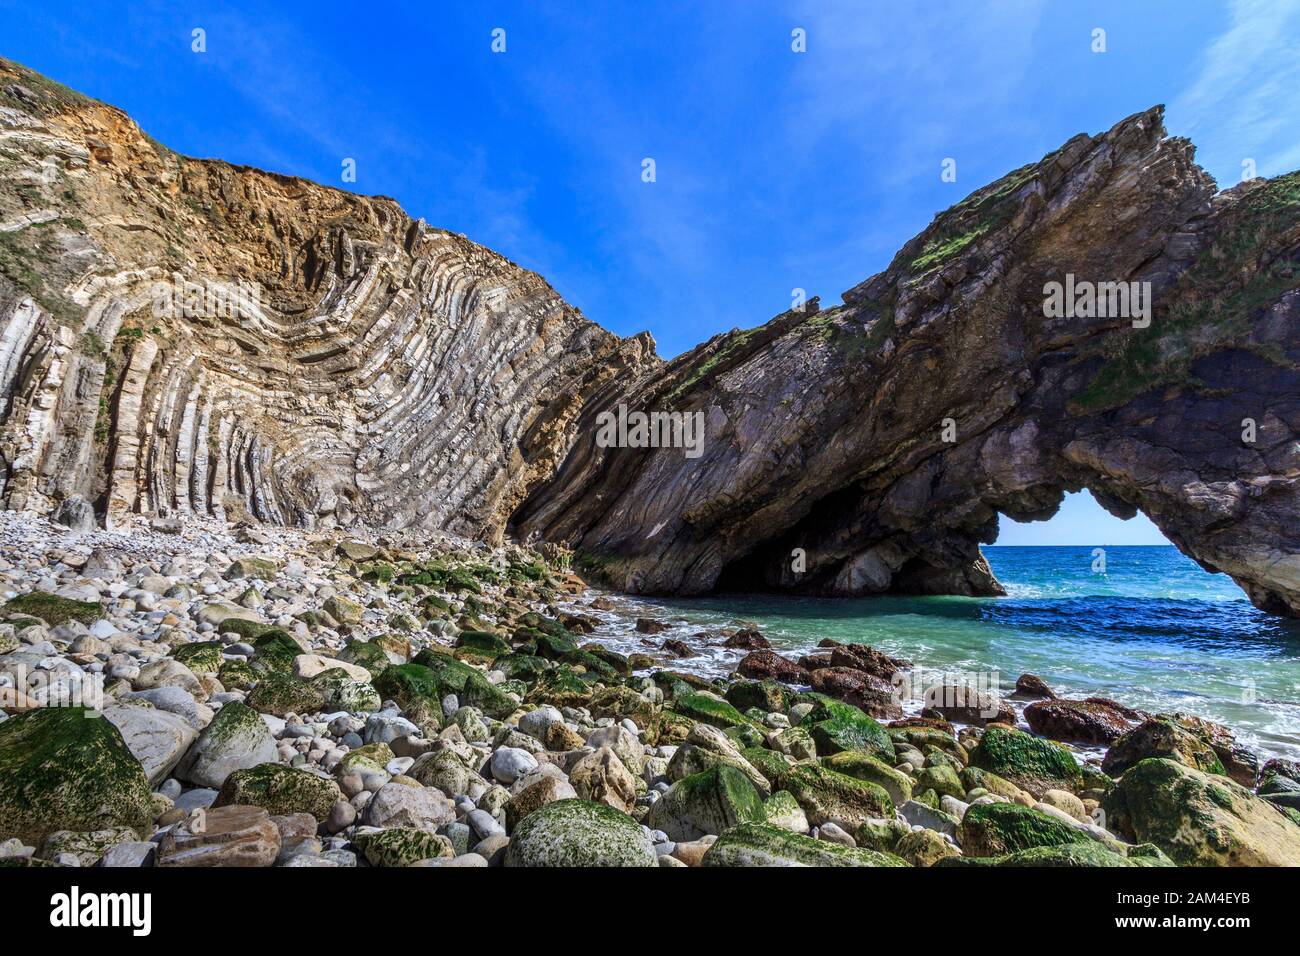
[67,768]
[281,790]
[759,844]
[418,808]
[706,803]
[236,739]
[1029,762]
[830,797]
[837,726]
[543,791]
[863,766]
[579,833]
[1160,737]
[156,738]
[1199,819]
[1094,721]
[221,836]
[601,777]
[996,829]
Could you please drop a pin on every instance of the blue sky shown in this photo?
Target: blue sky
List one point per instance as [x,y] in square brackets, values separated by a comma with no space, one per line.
[775,169]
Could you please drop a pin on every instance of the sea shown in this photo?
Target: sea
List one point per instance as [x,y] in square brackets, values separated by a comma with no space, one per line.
[1151,630]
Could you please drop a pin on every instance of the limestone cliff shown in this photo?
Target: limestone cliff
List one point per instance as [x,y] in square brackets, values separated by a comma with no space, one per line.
[874,444]
[184,335]
[396,375]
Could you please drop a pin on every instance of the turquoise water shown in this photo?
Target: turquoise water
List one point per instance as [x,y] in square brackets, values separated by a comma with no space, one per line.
[1155,632]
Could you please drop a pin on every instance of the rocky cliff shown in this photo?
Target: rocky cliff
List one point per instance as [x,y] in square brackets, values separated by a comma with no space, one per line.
[871,447]
[183,335]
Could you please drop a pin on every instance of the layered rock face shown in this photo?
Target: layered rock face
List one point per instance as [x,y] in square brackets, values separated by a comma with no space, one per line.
[185,336]
[870,447]
[188,336]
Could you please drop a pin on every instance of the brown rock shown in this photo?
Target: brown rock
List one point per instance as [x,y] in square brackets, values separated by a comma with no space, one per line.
[647,625]
[967,705]
[535,796]
[769,665]
[222,836]
[678,648]
[1032,687]
[872,694]
[1079,721]
[747,640]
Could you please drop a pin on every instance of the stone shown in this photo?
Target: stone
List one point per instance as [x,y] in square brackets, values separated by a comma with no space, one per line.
[600,777]
[760,844]
[237,739]
[1081,721]
[996,829]
[706,803]
[508,764]
[924,847]
[1028,762]
[865,767]
[1199,819]
[221,836]
[579,833]
[280,790]
[65,768]
[419,808]
[545,790]
[1032,687]
[156,739]
[402,846]
[1160,737]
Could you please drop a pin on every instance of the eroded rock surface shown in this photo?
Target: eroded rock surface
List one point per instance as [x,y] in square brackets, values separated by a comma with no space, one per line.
[186,336]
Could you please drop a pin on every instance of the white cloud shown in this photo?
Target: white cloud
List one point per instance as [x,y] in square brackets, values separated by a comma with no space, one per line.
[1244,102]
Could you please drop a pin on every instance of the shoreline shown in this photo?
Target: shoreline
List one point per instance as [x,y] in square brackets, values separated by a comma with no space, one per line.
[279,697]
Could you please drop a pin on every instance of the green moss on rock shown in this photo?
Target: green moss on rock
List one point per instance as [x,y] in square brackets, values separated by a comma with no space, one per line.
[996,829]
[283,694]
[706,803]
[761,844]
[54,610]
[1030,762]
[279,790]
[67,768]
[579,833]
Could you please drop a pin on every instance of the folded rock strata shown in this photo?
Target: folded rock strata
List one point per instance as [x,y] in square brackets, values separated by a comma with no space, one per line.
[384,373]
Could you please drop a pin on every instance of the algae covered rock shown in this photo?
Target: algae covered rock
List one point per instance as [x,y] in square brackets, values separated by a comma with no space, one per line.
[283,694]
[863,766]
[1160,737]
[579,833]
[830,797]
[402,846]
[1029,762]
[837,726]
[996,829]
[236,739]
[1199,819]
[1067,855]
[280,790]
[760,844]
[709,710]
[706,803]
[67,768]
[53,609]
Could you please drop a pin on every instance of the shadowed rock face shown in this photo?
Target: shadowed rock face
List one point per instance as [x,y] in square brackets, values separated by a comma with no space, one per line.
[373,370]
[386,373]
[826,430]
